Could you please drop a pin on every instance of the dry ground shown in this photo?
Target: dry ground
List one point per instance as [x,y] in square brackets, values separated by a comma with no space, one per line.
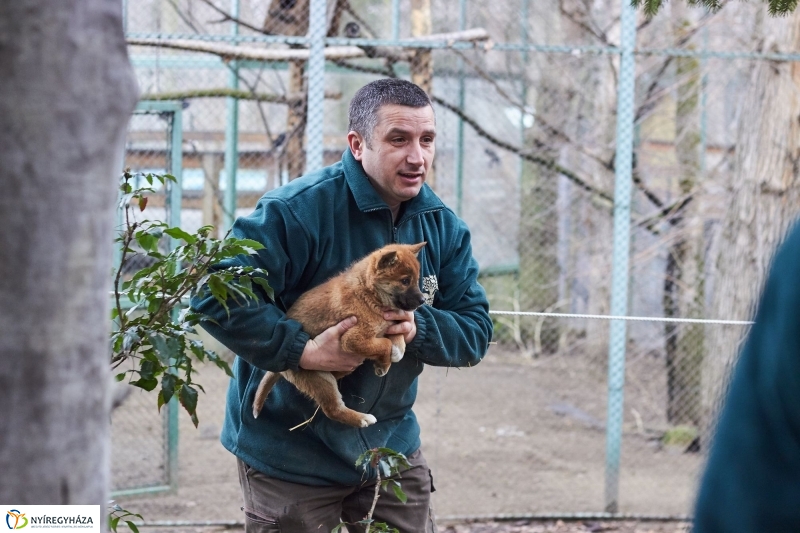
[511,436]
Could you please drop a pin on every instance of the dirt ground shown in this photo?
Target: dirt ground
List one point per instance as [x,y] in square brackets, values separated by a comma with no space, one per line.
[511,436]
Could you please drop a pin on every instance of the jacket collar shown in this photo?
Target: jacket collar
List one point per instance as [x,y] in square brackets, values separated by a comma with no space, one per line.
[367,198]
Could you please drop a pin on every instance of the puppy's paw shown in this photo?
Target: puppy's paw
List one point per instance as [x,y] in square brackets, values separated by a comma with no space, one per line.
[380,372]
[397,355]
[367,420]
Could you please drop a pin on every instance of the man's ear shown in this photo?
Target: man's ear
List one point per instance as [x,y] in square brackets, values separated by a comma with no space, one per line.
[357,144]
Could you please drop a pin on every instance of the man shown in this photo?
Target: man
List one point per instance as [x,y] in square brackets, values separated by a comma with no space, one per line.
[752,480]
[305,479]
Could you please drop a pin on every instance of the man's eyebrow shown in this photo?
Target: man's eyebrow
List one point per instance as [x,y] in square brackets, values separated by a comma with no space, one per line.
[403,131]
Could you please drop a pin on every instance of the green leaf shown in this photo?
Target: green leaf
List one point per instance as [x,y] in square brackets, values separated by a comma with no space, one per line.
[386,471]
[132,526]
[398,492]
[160,400]
[120,376]
[149,368]
[221,363]
[112,523]
[249,243]
[147,384]
[178,233]
[168,383]
[188,399]
[265,285]
[147,241]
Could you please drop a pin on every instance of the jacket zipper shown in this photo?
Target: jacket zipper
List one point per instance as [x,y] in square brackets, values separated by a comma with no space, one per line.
[395,233]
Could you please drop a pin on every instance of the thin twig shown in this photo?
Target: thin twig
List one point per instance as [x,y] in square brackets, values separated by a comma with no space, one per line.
[533,158]
[374,498]
[228,17]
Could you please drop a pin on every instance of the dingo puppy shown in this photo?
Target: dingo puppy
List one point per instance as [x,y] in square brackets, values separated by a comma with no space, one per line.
[386,278]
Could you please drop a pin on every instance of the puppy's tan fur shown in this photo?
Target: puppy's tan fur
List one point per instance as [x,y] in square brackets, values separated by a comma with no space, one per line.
[387,278]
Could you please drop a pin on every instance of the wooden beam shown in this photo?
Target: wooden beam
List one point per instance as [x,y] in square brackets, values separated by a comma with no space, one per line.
[228,52]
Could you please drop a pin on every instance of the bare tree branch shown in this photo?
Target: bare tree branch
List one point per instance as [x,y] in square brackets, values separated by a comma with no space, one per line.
[225,92]
[533,158]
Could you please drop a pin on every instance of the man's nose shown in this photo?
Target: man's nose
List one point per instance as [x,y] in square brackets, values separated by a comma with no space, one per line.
[415,154]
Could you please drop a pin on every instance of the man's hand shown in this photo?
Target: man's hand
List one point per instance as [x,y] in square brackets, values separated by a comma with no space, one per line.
[324,352]
[404,324]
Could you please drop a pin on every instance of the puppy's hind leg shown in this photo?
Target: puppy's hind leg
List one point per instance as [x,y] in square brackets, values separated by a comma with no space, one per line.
[321,387]
[267,382]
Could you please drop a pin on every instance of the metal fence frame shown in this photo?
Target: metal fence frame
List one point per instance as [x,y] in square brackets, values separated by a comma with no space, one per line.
[316,42]
[174,193]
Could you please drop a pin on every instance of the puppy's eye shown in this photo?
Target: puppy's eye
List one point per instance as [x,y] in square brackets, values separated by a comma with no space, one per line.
[406,282]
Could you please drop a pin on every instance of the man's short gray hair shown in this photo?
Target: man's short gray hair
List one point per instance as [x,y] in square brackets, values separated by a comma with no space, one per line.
[371,97]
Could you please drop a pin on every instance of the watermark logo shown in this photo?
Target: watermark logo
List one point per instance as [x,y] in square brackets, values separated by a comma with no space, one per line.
[16,519]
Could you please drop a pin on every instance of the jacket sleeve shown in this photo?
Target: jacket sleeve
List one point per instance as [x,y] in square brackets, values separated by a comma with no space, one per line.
[259,331]
[752,478]
[456,330]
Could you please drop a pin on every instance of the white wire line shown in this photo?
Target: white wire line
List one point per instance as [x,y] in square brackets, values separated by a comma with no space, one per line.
[629,318]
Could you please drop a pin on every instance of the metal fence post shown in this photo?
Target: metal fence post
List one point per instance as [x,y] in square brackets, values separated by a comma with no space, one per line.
[316,86]
[231,135]
[395,20]
[622,237]
[462,97]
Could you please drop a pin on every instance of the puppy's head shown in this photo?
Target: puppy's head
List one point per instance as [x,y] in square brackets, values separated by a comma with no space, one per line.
[396,276]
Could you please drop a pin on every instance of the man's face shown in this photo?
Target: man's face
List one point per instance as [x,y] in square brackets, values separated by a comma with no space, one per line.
[400,152]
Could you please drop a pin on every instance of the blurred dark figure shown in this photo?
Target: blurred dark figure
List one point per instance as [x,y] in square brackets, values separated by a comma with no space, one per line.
[752,480]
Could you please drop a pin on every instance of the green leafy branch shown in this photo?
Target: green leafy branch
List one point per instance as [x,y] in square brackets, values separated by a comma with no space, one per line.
[149,331]
[117,513]
[388,464]
[776,8]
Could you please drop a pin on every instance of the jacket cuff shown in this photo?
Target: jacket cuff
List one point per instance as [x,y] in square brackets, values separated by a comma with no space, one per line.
[296,350]
[422,332]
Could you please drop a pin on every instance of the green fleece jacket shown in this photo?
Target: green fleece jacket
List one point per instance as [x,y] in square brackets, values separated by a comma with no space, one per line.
[313,228]
[752,481]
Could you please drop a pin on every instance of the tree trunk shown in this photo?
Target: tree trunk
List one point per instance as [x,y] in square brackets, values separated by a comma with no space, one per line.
[422,62]
[538,251]
[684,294]
[212,164]
[66,94]
[295,156]
[538,224]
[421,65]
[764,195]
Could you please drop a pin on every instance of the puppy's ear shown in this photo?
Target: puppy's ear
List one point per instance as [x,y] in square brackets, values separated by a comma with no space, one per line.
[387,260]
[417,247]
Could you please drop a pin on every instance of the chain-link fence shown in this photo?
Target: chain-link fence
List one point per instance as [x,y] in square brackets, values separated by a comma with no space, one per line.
[528,100]
[144,440]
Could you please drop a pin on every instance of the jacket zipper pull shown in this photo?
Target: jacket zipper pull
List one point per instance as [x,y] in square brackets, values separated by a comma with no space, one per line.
[394,234]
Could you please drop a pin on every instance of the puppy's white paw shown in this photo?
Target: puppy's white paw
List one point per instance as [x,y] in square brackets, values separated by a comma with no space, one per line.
[380,372]
[397,355]
[367,420]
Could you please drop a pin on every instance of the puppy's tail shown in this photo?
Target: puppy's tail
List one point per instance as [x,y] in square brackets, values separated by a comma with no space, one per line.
[267,382]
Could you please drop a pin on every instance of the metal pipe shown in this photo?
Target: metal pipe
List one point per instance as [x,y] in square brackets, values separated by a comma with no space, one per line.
[621,254]
[231,135]
[395,19]
[462,23]
[503,517]
[316,87]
